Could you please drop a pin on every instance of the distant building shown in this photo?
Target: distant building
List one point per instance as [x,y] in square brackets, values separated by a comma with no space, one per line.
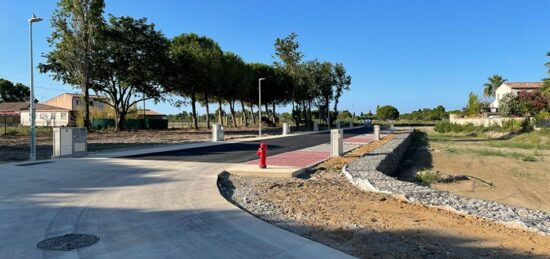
[514,88]
[149,114]
[46,115]
[75,102]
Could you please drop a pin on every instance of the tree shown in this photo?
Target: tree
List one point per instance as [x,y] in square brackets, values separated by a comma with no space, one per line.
[286,49]
[491,86]
[510,105]
[323,79]
[533,102]
[343,81]
[474,105]
[76,27]
[132,68]
[387,112]
[196,62]
[236,78]
[10,92]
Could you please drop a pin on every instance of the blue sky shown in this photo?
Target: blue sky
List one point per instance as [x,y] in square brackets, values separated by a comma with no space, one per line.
[411,54]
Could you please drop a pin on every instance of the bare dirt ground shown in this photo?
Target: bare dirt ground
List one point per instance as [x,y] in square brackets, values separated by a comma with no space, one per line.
[16,148]
[325,207]
[506,175]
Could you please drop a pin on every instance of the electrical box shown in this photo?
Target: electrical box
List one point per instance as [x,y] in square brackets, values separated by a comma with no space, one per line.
[69,142]
[217,133]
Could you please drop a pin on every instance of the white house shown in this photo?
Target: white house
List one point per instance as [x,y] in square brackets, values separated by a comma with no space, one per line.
[514,88]
[46,115]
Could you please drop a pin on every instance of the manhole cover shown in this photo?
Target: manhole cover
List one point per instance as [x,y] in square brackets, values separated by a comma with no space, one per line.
[68,242]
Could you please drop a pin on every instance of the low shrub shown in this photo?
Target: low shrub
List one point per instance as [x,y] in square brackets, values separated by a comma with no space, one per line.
[427,176]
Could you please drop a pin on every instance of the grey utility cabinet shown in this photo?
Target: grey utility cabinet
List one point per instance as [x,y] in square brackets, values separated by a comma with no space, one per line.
[69,142]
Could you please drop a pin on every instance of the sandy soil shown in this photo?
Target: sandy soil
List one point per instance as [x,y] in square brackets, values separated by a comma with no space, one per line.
[502,179]
[326,208]
[16,148]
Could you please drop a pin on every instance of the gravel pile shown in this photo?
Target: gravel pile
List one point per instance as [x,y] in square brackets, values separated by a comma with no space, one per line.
[373,173]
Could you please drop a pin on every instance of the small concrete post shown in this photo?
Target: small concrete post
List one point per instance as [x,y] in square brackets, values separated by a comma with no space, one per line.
[351,124]
[315,126]
[286,129]
[337,142]
[376,132]
[217,133]
[392,128]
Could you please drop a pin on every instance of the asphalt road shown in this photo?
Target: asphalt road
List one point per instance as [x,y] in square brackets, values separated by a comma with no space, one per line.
[246,151]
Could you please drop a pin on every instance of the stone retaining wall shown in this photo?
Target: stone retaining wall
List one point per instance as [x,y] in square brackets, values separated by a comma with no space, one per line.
[373,171]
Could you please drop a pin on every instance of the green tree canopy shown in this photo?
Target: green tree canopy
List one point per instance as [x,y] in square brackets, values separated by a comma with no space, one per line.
[197,63]
[75,42]
[387,112]
[491,86]
[474,105]
[10,92]
[133,64]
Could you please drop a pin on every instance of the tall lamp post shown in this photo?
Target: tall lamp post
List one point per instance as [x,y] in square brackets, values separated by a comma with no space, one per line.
[260,106]
[32,111]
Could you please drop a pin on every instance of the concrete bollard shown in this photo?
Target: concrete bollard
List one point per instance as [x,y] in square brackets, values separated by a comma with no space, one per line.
[392,128]
[337,142]
[286,129]
[217,133]
[376,132]
[315,126]
[351,124]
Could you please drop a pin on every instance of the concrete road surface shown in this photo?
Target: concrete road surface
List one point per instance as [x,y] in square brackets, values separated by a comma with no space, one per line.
[140,208]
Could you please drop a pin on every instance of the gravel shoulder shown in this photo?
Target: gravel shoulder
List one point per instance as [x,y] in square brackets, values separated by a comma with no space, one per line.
[325,207]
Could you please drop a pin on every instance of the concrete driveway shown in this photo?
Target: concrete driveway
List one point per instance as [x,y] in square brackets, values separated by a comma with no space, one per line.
[139,209]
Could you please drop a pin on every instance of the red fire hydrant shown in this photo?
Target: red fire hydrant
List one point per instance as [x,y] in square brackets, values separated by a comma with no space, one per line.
[262,152]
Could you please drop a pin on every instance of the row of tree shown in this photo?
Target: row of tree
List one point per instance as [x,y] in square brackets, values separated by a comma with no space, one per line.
[129,61]
[426,114]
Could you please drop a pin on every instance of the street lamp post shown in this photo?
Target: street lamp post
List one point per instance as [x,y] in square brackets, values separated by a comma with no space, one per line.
[260,106]
[32,111]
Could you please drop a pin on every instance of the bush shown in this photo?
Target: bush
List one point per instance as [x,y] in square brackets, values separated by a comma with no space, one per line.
[446,126]
[510,105]
[387,112]
[427,177]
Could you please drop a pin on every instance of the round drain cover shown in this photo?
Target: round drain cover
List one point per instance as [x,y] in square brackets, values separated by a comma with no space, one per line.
[68,242]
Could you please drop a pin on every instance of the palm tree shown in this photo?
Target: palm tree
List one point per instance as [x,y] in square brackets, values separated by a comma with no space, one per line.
[490,87]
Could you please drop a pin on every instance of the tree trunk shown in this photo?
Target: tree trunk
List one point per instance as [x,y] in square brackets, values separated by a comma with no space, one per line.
[252,113]
[310,113]
[194,110]
[121,116]
[327,108]
[274,113]
[232,109]
[220,120]
[245,118]
[207,111]
[266,111]
[86,105]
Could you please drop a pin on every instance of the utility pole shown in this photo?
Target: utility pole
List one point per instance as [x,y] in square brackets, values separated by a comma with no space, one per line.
[32,111]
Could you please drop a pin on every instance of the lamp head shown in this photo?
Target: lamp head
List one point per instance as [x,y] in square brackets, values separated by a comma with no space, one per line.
[34,19]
